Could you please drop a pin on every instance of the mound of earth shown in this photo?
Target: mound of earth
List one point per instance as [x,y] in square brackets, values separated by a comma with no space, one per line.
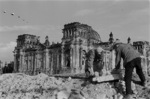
[22,86]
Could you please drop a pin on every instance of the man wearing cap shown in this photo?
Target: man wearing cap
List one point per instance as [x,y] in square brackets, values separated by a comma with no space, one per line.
[131,60]
[94,61]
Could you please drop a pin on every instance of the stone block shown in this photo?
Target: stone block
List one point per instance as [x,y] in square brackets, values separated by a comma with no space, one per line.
[133,86]
[119,96]
[104,78]
[101,96]
[76,94]
[69,79]
[62,95]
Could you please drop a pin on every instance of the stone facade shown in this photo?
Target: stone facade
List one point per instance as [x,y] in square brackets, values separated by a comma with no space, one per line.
[144,48]
[32,57]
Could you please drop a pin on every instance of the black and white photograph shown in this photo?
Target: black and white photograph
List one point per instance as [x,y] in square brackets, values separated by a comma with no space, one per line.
[74,49]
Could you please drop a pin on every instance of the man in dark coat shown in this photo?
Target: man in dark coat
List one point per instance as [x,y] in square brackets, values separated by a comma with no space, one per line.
[94,61]
[131,60]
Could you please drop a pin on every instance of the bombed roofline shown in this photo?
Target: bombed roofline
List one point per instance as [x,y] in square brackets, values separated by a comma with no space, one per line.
[75,29]
[75,24]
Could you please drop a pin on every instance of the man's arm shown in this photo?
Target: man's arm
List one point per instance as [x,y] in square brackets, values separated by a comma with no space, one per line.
[118,59]
[90,59]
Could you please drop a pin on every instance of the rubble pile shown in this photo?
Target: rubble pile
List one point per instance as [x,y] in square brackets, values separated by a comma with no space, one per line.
[22,86]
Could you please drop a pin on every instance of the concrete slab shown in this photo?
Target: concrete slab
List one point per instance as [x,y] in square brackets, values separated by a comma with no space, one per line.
[105,78]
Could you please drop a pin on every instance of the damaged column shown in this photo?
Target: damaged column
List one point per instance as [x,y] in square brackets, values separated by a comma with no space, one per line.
[20,61]
[77,59]
[47,61]
[62,56]
[15,61]
[71,58]
[113,56]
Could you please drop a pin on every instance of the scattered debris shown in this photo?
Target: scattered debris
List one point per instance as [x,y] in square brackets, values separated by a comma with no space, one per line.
[22,86]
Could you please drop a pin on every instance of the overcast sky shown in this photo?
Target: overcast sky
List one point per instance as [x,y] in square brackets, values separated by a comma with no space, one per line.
[125,18]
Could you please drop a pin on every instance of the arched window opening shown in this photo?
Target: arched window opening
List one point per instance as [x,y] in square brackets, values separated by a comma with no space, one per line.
[67,58]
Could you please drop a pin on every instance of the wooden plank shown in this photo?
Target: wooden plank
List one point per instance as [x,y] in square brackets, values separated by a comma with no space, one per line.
[82,75]
[105,78]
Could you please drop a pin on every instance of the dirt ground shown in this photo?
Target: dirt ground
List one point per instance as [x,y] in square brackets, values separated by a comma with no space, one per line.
[21,86]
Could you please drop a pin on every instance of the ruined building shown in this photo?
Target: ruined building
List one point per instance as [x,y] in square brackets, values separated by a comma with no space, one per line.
[144,48]
[32,57]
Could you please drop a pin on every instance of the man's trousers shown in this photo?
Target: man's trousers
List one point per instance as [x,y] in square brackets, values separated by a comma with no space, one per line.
[135,63]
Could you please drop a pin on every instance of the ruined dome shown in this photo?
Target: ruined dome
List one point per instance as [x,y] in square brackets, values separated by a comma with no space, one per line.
[81,30]
[94,35]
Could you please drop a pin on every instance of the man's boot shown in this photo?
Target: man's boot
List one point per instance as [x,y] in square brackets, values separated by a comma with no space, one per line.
[144,84]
